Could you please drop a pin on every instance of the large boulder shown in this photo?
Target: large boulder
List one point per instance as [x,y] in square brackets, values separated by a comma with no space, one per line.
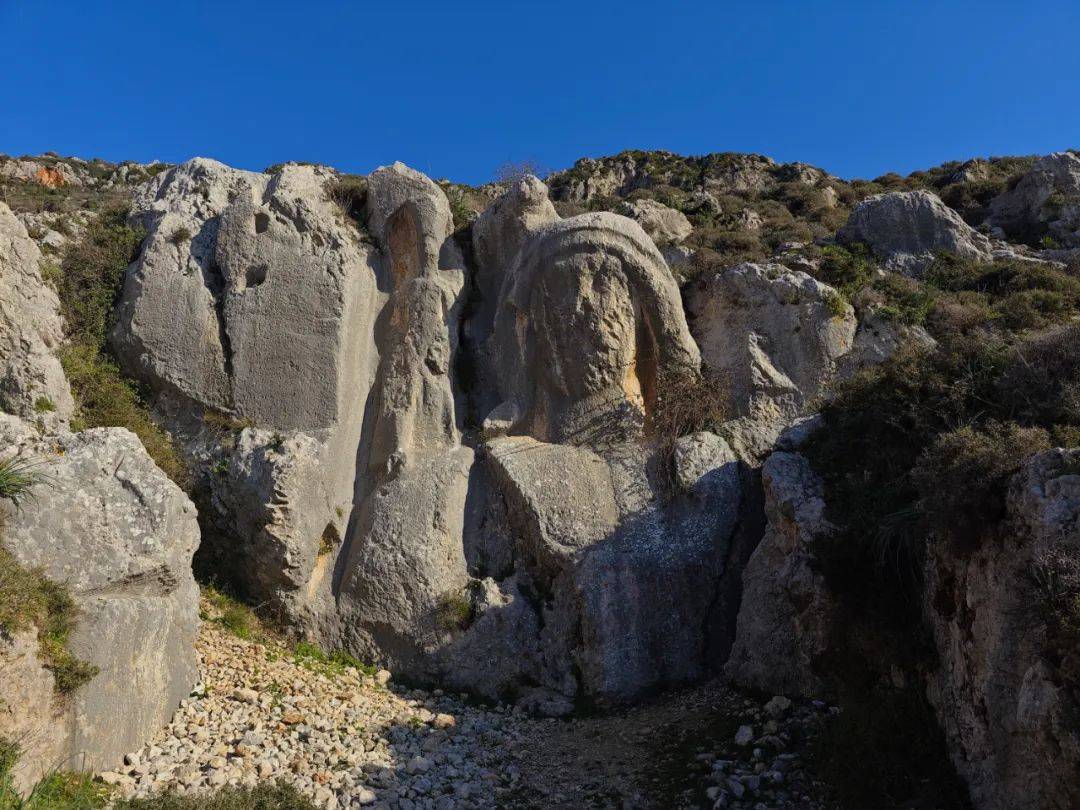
[32,382]
[906,229]
[1045,201]
[108,524]
[1007,706]
[787,614]
[663,224]
[776,336]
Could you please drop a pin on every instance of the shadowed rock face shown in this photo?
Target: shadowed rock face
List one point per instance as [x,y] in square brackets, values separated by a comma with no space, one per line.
[777,336]
[1007,713]
[361,432]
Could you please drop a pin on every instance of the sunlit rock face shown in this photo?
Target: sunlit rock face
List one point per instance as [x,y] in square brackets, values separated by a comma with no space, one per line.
[431,457]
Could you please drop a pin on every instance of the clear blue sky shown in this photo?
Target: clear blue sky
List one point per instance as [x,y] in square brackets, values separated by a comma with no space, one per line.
[457,88]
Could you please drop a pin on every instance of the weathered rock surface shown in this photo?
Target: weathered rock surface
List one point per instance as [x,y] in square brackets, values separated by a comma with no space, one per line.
[1008,716]
[404,549]
[878,337]
[787,613]
[30,711]
[279,300]
[108,523]
[32,382]
[663,224]
[1046,200]
[776,336]
[587,314]
[905,229]
[356,508]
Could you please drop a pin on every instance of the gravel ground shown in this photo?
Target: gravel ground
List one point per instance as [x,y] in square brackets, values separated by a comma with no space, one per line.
[350,739]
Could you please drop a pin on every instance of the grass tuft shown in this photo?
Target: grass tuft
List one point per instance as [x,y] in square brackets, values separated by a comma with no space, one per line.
[29,599]
[18,477]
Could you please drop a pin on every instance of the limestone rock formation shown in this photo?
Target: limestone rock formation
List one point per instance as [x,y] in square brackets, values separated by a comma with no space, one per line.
[663,224]
[363,505]
[108,523]
[587,315]
[1007,712]
[1045,201]
[279,300]
[404,550]
[787,613]
[32,382]
[776,335]
[878,337]
[906,228]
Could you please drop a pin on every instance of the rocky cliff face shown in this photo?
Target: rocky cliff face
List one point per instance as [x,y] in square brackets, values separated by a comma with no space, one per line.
[440,465]
[467,446]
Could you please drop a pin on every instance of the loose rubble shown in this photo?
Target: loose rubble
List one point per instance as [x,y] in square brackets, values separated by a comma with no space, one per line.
[350,738]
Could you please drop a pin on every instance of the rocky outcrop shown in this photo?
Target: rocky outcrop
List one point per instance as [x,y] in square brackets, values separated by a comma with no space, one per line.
[878,337]
[776,336]
[32,382]
[664,225]
[574,523]
[360,505]
[108,524]
[1007,710]
[404,552]
[280,297]
[1046,201]
[787,613]
[52,174]
[714,174]
[905,229]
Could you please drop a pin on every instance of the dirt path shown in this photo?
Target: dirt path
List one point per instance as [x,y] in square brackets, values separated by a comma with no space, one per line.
[663,754]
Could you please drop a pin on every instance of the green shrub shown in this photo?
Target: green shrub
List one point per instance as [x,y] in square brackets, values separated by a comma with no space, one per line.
[1056,576]
[92,273]
[899,473]
[454,611]
[314,658]
[459,207]
[28,598]
[1040,383]
[846,268]
[44,405]
[18,477]
[904,299]
[962,476]
[876,429]
[65,790]
[1023,295]
[268,796]
[105,398]
[91,278]
[236,617]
